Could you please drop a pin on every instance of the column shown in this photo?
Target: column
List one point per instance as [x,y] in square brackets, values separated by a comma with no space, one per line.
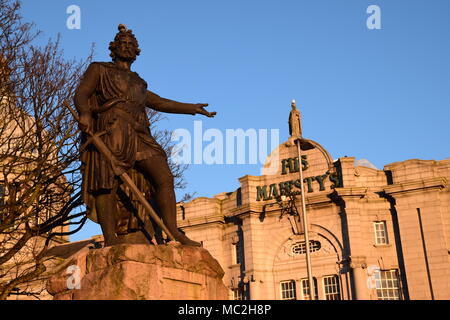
[358,265]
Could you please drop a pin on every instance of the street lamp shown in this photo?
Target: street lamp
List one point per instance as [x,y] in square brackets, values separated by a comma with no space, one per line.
[287,206]
[302,144]
[298,142]
[286,202]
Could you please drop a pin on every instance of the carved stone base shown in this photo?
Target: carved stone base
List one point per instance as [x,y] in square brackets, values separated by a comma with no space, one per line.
[139,272]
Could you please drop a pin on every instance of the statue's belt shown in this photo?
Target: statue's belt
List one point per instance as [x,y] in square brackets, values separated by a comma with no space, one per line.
[109,104]
[123,113]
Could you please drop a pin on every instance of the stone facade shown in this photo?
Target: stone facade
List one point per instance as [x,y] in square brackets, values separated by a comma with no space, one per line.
[375,234]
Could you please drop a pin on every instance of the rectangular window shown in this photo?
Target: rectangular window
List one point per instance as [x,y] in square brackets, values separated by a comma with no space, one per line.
[306,291]
[238,197]
[47,202]
[331,287]
[380,232]
[235,253]
[288,291]
[183,213]
[387,284]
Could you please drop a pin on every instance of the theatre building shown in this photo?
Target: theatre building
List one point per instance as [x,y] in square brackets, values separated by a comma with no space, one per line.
[373,234]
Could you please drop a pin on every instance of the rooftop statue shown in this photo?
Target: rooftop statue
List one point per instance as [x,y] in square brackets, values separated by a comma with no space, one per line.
[295,129]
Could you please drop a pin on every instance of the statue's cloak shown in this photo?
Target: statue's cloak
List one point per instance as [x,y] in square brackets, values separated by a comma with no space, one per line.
[126,133]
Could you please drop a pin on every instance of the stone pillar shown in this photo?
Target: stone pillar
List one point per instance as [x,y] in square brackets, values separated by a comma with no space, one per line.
[246,263]
[358,266]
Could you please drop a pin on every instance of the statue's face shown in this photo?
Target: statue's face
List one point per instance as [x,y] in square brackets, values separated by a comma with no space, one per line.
[126,49]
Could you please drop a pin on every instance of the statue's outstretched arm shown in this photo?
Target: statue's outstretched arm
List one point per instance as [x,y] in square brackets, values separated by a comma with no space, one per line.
[170,106]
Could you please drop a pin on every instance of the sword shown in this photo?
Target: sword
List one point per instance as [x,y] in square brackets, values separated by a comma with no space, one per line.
[94,138]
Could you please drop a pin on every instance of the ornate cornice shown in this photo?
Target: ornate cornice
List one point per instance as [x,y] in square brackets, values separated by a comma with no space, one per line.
[358,192]
[197,221]
[415,185]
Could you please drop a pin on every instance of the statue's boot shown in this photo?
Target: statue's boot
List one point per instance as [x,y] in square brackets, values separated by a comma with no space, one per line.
[169,217]
[183,239]
[171,224]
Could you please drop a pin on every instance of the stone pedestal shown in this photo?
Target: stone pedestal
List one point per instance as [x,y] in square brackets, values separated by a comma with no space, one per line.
[139,272]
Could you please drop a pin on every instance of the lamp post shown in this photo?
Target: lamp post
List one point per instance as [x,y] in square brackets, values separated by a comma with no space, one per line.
[296,133]
[305,224]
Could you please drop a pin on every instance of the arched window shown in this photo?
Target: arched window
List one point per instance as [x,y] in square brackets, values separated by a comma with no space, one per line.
[300,247]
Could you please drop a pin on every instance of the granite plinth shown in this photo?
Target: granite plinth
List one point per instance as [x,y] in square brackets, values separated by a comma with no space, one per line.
[139,272]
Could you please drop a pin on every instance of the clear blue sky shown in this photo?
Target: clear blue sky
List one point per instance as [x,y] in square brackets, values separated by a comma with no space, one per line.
[382,94]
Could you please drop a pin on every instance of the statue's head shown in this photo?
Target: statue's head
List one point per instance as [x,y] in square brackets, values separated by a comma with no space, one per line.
[125,45]
[293,105]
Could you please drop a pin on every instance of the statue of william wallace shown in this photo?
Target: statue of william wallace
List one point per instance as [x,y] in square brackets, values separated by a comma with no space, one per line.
[111,101]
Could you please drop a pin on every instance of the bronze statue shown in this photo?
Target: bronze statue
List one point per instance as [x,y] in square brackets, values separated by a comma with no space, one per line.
[111,101]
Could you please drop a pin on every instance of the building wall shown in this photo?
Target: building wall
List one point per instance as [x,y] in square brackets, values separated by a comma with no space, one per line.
[341,217]
[420,189]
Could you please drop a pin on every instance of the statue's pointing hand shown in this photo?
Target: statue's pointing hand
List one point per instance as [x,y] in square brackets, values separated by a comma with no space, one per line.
[200,108]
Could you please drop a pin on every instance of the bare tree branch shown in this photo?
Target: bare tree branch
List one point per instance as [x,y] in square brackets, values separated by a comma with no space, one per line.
[40,180]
